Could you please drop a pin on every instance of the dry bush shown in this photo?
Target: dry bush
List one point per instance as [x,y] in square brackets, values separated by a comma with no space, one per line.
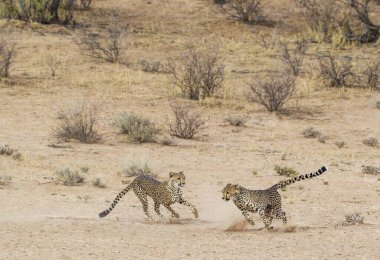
[371,76]
[274,92]
[235,120]
[187,122]
[139,129]
[9,151]
[378,105]
[353,219]
[69,177]
[346,21]
[109,47]
[97,183]
[40,11]
[78,123]
[268,42]
[220,2]
[246,11]
[134,169]
[5,180]
[336,72]
[7,53]
[85,4]
[372,170]
[311,132]
[293,58]
[285,171]
[371,32]
[84,169]
[322,18]
[198,73]
[372,142]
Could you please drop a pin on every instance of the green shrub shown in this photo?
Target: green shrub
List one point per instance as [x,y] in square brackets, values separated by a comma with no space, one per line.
[139,129]
[285,171]
[68,177]
[135,169]
[40,11]
[311,132]
[5,180]
[97,183]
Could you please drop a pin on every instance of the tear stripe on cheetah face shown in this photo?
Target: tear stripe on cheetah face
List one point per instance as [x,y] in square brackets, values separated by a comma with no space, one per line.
[165,193]
[266,202]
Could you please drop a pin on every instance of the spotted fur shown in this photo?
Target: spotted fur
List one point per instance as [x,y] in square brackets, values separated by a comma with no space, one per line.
[165,193]
[266,202]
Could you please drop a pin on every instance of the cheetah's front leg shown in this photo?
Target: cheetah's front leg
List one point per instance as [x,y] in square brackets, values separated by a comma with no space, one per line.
[247,217]
[193,208]
[174,214]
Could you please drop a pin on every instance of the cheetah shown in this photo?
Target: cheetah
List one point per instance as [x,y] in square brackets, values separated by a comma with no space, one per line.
[266,202]
[165,193]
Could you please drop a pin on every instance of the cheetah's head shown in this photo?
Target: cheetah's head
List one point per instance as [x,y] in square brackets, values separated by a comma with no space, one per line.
[177,179]
[230,191]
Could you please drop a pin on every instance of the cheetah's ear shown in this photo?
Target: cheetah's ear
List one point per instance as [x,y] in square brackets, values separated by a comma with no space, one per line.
[171,174]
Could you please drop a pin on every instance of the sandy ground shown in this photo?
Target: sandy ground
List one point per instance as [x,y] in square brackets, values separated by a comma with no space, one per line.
[42,219]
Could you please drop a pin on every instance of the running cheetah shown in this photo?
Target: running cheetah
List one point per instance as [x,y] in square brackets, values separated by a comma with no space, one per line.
[266,202]
[165,193]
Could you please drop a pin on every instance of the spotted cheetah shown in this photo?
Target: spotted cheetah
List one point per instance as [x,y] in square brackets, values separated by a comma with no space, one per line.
[165,193]
[266,202]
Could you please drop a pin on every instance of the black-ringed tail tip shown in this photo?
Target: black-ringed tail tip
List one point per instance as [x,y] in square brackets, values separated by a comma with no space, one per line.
[103,214]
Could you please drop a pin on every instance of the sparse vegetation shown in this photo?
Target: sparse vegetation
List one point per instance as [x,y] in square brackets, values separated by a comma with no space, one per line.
[85,4]
[246,11]
[274,92]
[97,183]
[78,123]
[5,180]
[68,177]
[109,46]
[353,219]
[187,122]
[311,132]
[7,54]
[134,169]
[372,142]
[378,104]
[285,171]
[198,73]
[235,120]
[372,170]
[138,129]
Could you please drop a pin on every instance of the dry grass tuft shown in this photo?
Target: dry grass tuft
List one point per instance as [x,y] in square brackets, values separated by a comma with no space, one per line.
[353,219]
[372,170]
[372,142]
[97,183]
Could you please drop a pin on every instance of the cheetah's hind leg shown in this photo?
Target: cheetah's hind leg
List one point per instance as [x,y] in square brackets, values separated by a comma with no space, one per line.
[144,201]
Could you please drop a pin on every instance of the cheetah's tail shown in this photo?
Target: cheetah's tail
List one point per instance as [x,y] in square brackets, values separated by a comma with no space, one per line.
[115,201]
[285,183]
